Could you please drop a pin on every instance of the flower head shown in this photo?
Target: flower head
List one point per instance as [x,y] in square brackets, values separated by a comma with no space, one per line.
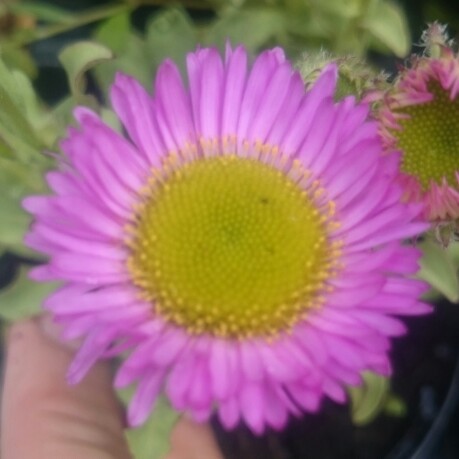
[243,244]
[420,117]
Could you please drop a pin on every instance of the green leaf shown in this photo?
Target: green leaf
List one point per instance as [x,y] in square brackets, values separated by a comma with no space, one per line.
[368,400]
[152,439]
[80,57]
[170,34]
[26,128]
[41,121]
[16,181]
[453,250]
[114,32]
[388,27]
[349,9]
[437,268]
[395,406]
[255,27]
[134,60]
[15,129]
[20,59]
[23,298]
[14,224]
[5,150]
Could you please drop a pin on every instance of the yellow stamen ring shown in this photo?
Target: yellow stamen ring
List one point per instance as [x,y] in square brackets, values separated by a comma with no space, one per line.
[233,246]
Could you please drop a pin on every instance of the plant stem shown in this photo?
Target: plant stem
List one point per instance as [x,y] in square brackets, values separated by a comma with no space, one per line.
[82,19]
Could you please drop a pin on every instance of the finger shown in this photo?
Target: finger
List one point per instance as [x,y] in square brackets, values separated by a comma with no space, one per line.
[193,441]
[43,417]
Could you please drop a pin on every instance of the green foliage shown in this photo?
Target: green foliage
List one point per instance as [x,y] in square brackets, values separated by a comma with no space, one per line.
[25,130]
[23,298]
[151,440]
[388,29]
[440,269]
[169,34]
[255,27]
[368,400]
[115,32]
[77,59]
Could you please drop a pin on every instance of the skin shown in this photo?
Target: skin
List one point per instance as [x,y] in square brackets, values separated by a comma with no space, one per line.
[43,417]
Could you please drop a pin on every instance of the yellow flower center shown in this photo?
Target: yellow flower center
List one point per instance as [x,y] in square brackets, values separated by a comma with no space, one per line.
[429,138]
[230,246]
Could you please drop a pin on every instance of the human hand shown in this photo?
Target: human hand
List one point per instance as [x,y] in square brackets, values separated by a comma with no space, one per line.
[43,417]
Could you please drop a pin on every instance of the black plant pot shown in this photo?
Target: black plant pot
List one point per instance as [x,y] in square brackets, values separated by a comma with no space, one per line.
[426,377]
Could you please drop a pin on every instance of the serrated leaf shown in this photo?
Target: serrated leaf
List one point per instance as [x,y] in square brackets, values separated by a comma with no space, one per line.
[437,268]
[368,400]
[152,439]
[80,57]
[23,297]
[388,26]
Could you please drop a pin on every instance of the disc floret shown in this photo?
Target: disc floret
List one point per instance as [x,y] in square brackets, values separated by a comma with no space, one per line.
[231,246]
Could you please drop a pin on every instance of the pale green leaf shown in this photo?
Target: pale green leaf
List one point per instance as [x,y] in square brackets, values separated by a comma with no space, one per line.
[170,35]
[13,225]
[134,60]
[80,57]
[17,179]
[14,222]
[368,400]
[437,268]
[253,27]
[152,439]
[25,127]
[23,297]
[453,250]
[41,121]
[13,120]
[388,27]
[109,117]
[348,9]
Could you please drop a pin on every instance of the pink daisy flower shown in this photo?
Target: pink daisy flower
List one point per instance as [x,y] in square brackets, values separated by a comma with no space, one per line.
[242,244]
[420,117]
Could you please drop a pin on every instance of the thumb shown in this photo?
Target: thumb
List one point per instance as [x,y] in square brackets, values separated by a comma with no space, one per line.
[43,417]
